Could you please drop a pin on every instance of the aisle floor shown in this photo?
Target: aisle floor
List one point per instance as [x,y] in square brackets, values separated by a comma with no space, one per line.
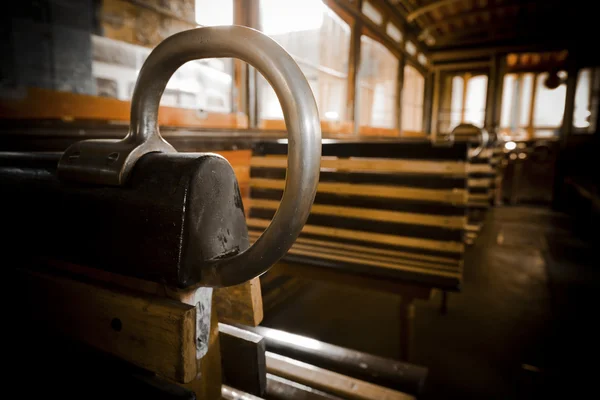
[521,328]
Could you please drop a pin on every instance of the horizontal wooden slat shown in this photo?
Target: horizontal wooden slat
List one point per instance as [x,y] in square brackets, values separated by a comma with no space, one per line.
[446,246]
[381,165]
[316,251]
[479,182]
[154,333]
[328,381]
[456,274]
[454,196]
[479,169]
[367,251]
[477,197]
[372,214]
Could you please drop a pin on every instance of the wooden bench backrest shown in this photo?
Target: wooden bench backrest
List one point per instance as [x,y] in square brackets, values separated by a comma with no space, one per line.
[405,201]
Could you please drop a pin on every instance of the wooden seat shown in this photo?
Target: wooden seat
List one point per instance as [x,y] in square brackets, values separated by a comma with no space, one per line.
[388,210]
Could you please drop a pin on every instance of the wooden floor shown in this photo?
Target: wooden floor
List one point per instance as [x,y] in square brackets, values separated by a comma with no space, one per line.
[522,328]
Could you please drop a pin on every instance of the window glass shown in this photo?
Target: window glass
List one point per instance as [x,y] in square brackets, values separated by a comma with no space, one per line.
[377,82]
[208,14]
[549,104]
[508,90]
[393,32]
[372,12]
[319,41]
[456,102]
[475,100]
[411,48]
[586,100]
[413,92]
[195,85]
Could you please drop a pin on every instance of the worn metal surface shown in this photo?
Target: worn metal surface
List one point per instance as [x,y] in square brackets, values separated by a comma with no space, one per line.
[109,162]
[177,214]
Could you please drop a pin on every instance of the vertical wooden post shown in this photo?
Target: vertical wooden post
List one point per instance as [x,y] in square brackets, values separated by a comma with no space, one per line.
[490,100]
[399,92]
[353,67]
[463,106]
[406,326]
[436,103]
[530,124]
[428,103]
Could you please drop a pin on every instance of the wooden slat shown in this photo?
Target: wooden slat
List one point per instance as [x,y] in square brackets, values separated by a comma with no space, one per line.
[378,264]
[479,182]
[358,257]
[453,247]
[372,214]
[454,196]
[318,251]
[153,333]
[479,168]
[367,251]
[380,165]
[49,104]
[243,359]
[479,197]
[328,381]
[240,304]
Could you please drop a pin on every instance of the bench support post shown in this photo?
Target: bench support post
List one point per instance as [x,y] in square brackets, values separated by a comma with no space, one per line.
[444,303]
[406,322]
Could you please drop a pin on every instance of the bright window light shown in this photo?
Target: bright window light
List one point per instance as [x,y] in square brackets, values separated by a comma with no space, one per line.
[284,16]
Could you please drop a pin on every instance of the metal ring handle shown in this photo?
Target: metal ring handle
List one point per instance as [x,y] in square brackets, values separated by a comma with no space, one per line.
[301,119]
[109,162]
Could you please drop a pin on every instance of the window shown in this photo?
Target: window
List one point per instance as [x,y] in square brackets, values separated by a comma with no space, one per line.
[411,48]
[474,112]
[372,13]
[456,104]
[529,107]
[393,32]
[463,101]
[208,14]
[193,86]
[549,104]
[413,92]
[377,81]
[586,100]
[319,41]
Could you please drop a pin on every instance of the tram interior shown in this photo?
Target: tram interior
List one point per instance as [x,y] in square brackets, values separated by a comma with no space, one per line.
[316,199]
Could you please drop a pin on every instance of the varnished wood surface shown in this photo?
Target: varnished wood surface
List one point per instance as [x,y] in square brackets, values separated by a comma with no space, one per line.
[66,106]
[154,333]
[452,196]
[372,214]
[452,247]
[240,304]
[329,381]
[374,165]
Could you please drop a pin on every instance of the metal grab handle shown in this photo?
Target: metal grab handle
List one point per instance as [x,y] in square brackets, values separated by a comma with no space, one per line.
[109,162]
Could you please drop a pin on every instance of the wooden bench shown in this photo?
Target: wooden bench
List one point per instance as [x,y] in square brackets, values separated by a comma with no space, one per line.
[387,215]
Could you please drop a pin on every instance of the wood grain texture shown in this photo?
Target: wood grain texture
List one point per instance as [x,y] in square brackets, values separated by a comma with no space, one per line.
[153,333]
[373,214]
[49,104]
[381,165]
[328,381]
[366,251]
[240,304]
[452,196]
[438,245]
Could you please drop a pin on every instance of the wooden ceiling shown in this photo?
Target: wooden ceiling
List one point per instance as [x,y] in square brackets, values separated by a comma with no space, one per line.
[445,24]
